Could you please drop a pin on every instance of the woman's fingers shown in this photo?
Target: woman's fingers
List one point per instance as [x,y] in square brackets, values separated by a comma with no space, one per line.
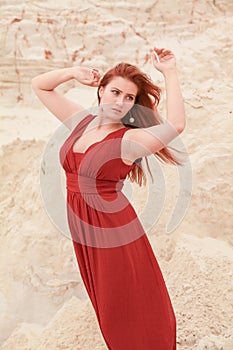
[162,51]
[162,54]
[157,56]
[95,74]
[155,60]
[95,70]
[91,77]
[159,53]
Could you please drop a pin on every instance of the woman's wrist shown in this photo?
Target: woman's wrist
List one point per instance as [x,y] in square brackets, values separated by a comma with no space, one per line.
[67,74]
[170,72]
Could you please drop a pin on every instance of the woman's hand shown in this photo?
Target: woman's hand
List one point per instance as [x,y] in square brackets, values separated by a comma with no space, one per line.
[163,60]
[87,76]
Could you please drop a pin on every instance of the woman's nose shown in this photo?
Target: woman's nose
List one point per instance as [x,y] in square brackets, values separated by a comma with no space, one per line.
[120,99]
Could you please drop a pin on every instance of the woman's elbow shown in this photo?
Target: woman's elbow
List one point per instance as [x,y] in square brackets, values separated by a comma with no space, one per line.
[180,128]
[34,83]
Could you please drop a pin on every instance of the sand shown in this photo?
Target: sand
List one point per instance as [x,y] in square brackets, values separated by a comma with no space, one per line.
[42,299]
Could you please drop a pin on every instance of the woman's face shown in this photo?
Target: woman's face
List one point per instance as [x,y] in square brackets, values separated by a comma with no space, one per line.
[118,97]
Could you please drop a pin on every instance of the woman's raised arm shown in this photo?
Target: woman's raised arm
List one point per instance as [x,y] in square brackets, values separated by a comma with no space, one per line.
[45,84]
[145,141]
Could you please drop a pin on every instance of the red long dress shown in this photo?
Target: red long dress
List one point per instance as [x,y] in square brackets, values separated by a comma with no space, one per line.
[116,261]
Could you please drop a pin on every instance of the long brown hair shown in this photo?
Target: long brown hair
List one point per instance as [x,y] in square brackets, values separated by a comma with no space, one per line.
[144,112]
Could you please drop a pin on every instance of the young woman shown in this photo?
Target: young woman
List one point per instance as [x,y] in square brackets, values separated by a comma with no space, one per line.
[116,261]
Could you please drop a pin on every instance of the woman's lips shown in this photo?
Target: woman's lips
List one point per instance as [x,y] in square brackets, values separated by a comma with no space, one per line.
[116,110]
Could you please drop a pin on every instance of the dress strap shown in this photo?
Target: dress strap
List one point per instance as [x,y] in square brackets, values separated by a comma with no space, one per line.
[82,125]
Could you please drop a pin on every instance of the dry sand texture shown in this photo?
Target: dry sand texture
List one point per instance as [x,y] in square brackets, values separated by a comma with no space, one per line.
[42,299]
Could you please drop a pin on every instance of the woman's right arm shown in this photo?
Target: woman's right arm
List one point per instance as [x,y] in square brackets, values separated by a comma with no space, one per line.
[44,86]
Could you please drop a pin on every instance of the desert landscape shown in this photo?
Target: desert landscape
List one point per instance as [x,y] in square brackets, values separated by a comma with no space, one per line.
[43,303]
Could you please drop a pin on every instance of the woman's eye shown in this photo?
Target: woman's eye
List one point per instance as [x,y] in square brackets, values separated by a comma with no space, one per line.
[115,92]
[130,98]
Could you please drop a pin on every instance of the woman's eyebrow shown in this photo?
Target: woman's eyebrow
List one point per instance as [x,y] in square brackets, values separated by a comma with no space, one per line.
[122,91]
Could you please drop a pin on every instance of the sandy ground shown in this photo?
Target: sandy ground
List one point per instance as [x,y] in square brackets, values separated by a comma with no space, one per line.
[42,299]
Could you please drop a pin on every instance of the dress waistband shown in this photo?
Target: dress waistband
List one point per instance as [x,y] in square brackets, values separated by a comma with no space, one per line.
[83,184]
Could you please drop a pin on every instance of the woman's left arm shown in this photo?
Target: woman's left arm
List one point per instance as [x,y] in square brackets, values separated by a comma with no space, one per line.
[145,141]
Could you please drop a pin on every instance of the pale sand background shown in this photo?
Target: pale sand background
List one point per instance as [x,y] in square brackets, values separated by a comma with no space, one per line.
[42,299]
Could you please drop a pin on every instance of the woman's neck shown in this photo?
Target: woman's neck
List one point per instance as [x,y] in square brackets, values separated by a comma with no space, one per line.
[105,123]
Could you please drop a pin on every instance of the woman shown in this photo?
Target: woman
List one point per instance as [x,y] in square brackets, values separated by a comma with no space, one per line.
[116,261]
